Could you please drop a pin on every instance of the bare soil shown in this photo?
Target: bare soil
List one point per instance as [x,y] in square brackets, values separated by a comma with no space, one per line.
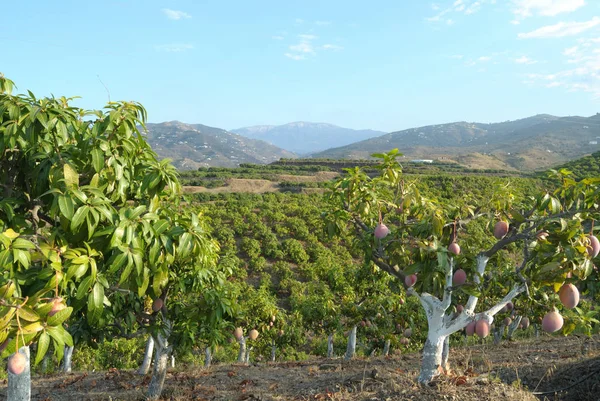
[548,368]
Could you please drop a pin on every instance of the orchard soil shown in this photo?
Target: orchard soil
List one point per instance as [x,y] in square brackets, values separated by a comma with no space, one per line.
[545,368]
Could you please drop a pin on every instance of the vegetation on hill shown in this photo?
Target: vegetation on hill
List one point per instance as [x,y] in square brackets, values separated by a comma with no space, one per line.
[585,167]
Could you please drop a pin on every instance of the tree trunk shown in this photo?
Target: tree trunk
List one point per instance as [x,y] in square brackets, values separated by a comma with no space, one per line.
[386,347]
[513,326]
[330,346]
[67,359]
[207,357]
[161,362]
[172,361]
[498,334]
[432,358]
[143,370]
[445,353]
[242,352]
[247,356]
[19,386]
[351,348]
[273,351]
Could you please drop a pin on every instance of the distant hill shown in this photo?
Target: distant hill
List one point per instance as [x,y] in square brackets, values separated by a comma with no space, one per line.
[586,167]
[304,137]
[531,143]
[196,145]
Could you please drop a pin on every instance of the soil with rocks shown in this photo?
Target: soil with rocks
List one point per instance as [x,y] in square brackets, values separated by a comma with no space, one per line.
[547,368]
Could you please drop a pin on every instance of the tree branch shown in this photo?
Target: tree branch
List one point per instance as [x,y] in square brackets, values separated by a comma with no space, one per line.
[447,299]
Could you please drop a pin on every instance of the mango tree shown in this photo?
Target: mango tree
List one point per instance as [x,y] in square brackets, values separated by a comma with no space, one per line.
[418,241]
[91,218]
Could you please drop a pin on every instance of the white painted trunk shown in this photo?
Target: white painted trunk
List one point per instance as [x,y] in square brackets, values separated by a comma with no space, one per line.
[247,356]
[445,354]
[143,370]
[273,351]
[330,346]
[172,361]
[207,357]
[351,348]
[159,372]
[242,352]
[19,386]
[432,357]
[386,347]
[68,358]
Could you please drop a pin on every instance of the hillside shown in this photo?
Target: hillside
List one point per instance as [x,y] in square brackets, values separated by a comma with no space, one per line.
[195,145]
[304,137]
[588,166]
[531,143]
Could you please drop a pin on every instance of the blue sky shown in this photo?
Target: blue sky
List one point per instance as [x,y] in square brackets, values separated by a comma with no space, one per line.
[383,64]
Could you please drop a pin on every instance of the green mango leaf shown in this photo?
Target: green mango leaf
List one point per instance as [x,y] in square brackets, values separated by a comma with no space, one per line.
[71,176]
[79,217]
[42,347]
[59,317]
[97,159]
[28,314]
[66,206]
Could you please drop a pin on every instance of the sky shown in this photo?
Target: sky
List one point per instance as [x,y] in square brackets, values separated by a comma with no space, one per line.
[382,64]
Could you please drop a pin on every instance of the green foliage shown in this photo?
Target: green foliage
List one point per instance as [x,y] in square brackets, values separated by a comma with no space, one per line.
[88,214]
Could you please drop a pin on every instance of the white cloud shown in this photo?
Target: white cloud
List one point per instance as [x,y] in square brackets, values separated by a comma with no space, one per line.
[299,21]
[457,56]
[277,37]
[525,60]
[303,47]
[296,57]
[466,7]
[561,29]
[584,74]
[174,47]
[484,59]
[175,14]
[307,37]
[322,23]
[473,8]
[332,47]
[549,8]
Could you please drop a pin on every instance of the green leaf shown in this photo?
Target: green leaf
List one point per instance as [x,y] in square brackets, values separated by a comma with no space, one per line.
[71,176]
[32,328]
[84,287]
[26,313]
[79,217]
[59,317]
[42,347]
[22,257]
[66,206]
[21,243]
[97,159]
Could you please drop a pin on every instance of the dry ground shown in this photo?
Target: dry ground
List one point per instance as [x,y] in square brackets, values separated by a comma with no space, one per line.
[552,368]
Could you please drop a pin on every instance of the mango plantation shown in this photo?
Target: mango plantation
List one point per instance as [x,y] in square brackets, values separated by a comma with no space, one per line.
[366,281]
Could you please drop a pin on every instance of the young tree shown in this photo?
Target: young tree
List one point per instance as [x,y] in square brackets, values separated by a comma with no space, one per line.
[416,240]
[90,217]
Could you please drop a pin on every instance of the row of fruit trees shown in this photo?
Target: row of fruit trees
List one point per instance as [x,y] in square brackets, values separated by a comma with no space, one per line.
[95,237]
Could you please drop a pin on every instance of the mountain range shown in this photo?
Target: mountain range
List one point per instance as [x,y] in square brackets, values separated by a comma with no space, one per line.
[531,143]
[305,138]
[191,146]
